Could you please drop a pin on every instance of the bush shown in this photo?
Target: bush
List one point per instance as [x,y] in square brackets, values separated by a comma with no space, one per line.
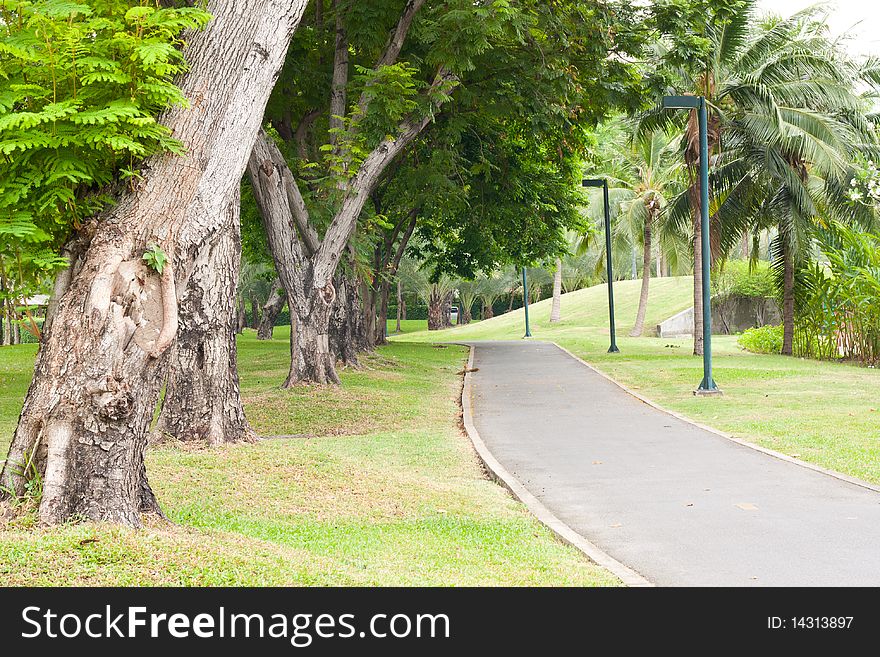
[762,340]
[837,315]
[737,278]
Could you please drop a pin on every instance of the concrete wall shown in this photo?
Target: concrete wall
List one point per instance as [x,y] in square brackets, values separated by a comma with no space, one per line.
[729,315]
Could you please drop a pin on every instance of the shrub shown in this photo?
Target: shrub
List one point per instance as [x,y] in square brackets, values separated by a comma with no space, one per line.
[837,313]
[762,340]
[738,278]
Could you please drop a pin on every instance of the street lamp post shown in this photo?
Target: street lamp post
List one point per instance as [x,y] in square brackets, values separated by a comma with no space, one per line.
[603,183]
[526,301]
[698,103]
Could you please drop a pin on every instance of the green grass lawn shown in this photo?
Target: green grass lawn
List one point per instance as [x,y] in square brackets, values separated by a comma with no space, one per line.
[381,489]
[407,326]
[826,413]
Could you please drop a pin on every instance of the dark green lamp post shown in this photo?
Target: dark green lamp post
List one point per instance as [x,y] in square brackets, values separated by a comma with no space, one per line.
[603,183]
[526,302]
[698,103]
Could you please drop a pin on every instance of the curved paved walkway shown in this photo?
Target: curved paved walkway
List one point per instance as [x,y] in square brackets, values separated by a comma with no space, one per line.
[680,505]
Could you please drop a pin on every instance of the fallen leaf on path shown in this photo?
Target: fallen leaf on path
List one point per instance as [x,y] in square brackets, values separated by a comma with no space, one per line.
[746,506]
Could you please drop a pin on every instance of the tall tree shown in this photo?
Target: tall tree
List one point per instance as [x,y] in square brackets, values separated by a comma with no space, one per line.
[542,51]
[84,423]
[795,123]
[701,37]
[362,145]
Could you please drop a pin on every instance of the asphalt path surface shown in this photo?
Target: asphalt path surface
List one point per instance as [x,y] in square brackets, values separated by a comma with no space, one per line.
[678,504]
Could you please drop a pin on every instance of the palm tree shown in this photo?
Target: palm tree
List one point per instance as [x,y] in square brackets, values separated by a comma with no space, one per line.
[467,296]
[652,173]
[489,290]
[643,174]
[793,123]
[782,107]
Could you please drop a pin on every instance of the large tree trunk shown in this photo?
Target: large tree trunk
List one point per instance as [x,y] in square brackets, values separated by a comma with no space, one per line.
[382,320]
[312,361]
[787,297]
[464,314]
[556,308]
[346,322]
[271,309]
[436,308]
[368,314]
[255,313]
[639,326]
[202,398]
[240,315]
[83,427]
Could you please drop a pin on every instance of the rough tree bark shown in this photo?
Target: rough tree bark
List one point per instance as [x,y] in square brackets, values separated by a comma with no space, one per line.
[202,397]
[240,315]
[436,307]
[347,334]
[85,418]
[556,308]
[488,312]
[255,313]
[271,309]
[368,315]
[465,315]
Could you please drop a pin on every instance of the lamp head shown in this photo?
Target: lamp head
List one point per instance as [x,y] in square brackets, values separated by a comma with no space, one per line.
[593,182]
[681,102]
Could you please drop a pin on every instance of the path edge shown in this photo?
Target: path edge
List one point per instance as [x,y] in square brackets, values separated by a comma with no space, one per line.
[545,516]
[739,441]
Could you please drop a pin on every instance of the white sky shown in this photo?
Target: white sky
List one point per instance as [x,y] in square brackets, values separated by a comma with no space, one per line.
[859,18]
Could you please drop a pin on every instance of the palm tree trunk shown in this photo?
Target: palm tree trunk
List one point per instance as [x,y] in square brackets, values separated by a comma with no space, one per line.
[698,269]
[556,309]
[787,298]
[639,326]
[488,311]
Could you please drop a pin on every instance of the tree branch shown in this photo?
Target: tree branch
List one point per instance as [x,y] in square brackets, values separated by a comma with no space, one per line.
[398,35]
[393,47]
[296,205]
[340,77]
[272,201]
[362,184]
[401,247]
